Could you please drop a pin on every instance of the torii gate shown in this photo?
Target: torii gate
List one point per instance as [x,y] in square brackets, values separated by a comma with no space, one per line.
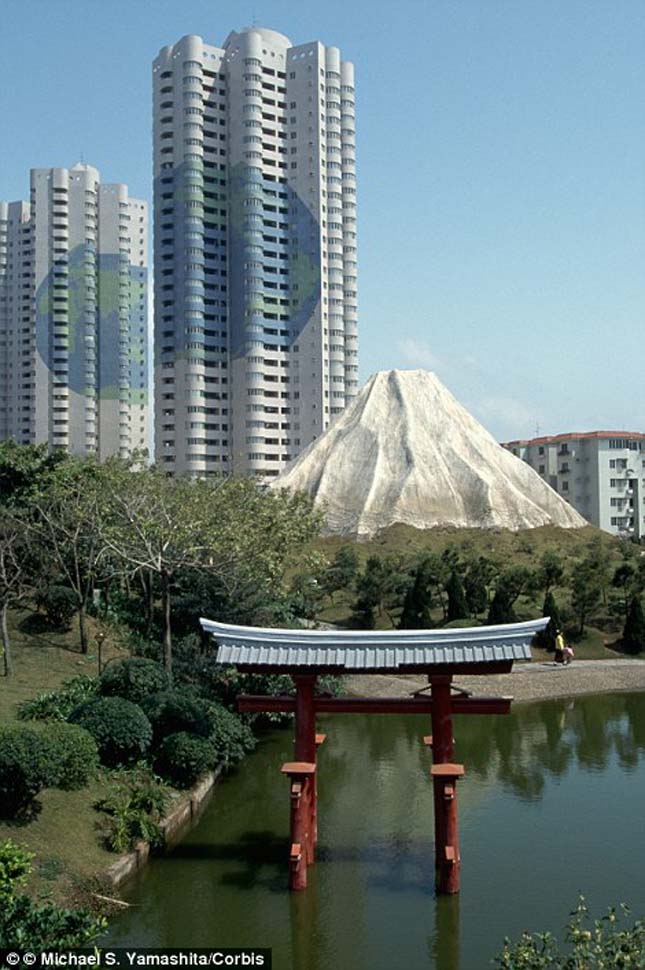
[439,654]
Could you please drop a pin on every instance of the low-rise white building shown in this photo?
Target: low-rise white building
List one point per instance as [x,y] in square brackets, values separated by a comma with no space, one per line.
[600,473]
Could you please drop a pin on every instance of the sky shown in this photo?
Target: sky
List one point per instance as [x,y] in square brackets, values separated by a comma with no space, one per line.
[501,175]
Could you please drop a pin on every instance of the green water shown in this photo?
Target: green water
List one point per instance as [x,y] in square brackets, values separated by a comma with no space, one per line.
[553,802]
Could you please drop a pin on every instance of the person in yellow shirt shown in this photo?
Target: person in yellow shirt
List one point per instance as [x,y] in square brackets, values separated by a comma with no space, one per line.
[559,647]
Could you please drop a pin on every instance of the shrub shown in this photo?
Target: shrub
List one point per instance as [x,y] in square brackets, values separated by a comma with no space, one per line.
[120,728]
[226,683]
[134,679]
[74,754]
[58,603]
[231,739]
[15,866]
[174,711]
[601,943]
[183,758]
[57,705]
[26,767]
[25,924]
[134,806]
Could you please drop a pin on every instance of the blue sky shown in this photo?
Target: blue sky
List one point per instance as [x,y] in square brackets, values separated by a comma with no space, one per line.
[501,175]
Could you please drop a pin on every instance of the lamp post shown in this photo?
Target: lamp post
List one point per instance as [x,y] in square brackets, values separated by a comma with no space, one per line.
[100,639]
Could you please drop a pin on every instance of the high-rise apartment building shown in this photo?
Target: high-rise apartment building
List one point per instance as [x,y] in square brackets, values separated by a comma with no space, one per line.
[600,473]
[254,251]
[74,315]
[17,340]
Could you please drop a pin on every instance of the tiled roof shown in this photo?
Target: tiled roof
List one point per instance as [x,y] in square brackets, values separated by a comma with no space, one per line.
[573,436]
[383,650]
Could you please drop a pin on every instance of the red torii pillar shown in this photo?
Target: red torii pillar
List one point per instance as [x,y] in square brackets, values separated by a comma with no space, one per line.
[304,789]
[441,705]
[444,774]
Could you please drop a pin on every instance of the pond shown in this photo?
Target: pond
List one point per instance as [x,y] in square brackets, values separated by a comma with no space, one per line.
[551,805]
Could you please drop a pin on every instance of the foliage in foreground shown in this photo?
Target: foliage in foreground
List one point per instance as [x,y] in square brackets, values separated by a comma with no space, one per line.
[57,705]
[183,758]
[590,945]
[64,757]
[134,679]
[29,925]
[133,808]
[120,728]
[26,767]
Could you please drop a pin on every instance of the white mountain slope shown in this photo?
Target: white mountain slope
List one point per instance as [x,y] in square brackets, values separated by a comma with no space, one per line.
[407,451]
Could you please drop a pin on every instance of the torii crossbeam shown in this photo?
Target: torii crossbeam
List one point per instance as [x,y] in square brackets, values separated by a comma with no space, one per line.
[438,654]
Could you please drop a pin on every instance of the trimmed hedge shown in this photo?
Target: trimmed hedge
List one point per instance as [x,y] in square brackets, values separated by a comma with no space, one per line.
[26,767]
[177,711]
[183,758]
[134,679]
[74,754]
[230,738]
[120,728]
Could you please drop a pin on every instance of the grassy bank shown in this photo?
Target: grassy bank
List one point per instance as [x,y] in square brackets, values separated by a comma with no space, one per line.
[63,831]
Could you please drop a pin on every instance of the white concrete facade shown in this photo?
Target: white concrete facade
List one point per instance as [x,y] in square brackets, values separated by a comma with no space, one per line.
[600,473]
[17,344]
[80,383]
[255,250]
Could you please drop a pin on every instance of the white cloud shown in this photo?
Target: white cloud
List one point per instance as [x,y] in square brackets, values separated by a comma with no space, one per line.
[506,417]
[417,353]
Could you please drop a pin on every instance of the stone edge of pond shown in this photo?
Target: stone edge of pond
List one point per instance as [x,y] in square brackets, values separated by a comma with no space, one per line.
[172,827]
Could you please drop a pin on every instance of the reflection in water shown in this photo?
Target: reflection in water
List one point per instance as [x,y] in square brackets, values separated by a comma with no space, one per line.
[540,787]
[540,740]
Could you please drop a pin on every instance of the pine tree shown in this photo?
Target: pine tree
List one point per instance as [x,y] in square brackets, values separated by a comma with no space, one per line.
[417,603]
[550,609]
[475,586]
[501,609]
[457,605]
[634,631]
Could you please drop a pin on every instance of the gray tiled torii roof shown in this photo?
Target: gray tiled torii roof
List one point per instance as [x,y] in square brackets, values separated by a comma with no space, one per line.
[372,649]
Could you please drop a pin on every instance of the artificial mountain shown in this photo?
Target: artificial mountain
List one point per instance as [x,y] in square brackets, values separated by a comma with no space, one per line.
[406,451]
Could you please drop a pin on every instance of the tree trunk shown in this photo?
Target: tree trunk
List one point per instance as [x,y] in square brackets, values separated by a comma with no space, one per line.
[6,645]
[145,577]
[82,629]
[167,637]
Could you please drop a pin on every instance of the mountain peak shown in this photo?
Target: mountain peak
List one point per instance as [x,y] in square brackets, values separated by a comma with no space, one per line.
[406,451]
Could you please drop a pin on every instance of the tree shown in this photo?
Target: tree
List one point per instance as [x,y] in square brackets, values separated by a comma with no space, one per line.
[25,470]
[381,586]
[341,572]
[510,585]
[306,595]
[436,570]
[457,606]
[598,560]
[501,607]
[68,524]
[550,609]
[550,571]
[418,601]
[586,591]
[634,630]
[623,579]
[15,577]
[479,575]
[227,528]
